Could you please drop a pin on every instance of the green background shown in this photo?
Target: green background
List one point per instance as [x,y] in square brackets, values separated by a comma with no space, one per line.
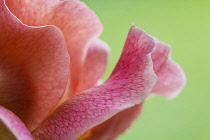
[185,24]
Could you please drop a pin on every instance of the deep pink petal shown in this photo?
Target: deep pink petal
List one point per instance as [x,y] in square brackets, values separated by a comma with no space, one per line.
[77,22]
[94,66]
[129,84]
[34,68]
[168,85]
[116,125]
[11,127]
[171,78]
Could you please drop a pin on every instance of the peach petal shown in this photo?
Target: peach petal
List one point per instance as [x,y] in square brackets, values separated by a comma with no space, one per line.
[92,70]
[77,22]
[34,68]
[95,64]
[11,127]
[129,84]
[171,78]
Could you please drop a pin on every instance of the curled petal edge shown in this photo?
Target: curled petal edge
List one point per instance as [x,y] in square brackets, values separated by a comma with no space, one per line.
[34,68]
[170,76]
[129,84]
[15,126]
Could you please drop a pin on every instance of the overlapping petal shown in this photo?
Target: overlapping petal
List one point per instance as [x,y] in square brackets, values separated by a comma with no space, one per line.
[45,77]
[160,55]
[77,22]
[34,68]
[11,127]
[129,84]
[171,78]
[114,126]
[95,64]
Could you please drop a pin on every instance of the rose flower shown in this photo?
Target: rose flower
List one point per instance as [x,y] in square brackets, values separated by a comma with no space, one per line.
[51,62]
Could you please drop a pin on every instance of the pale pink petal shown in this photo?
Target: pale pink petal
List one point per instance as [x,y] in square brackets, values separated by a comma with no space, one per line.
[94,66]
[11,127]
[171,78]
[77,22]
[160,55]
[116,125]
[34,68]
[129,84]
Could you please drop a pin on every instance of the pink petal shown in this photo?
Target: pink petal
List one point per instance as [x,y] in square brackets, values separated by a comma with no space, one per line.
[34,68]
[171,78]
[160,55]
[95,64]
[169,85]
[11,127]
[77,22]
[129,84]
[116,125]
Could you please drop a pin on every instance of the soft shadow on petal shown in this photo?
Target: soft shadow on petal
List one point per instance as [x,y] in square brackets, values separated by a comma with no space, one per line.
[114,126]
[171,78]
[11,127]
[34,68]
[129,84]
[77,22]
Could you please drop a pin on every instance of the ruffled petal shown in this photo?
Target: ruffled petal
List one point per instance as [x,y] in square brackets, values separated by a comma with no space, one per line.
[77,22]
[160,55]
[95,64]
[116,125]
[169,85]
[34,68]
[11,127]
[129,84]
[171,78]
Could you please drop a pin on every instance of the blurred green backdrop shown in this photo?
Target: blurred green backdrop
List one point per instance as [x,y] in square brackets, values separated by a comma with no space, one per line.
[185,24]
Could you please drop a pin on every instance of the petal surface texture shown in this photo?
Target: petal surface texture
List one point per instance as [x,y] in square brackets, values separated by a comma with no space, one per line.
[171,78]
[114,126]
[11,127]
[76,21]
[34,68]
[129,84]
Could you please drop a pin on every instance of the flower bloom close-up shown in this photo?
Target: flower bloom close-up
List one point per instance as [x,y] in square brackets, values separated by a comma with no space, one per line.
[51,64]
